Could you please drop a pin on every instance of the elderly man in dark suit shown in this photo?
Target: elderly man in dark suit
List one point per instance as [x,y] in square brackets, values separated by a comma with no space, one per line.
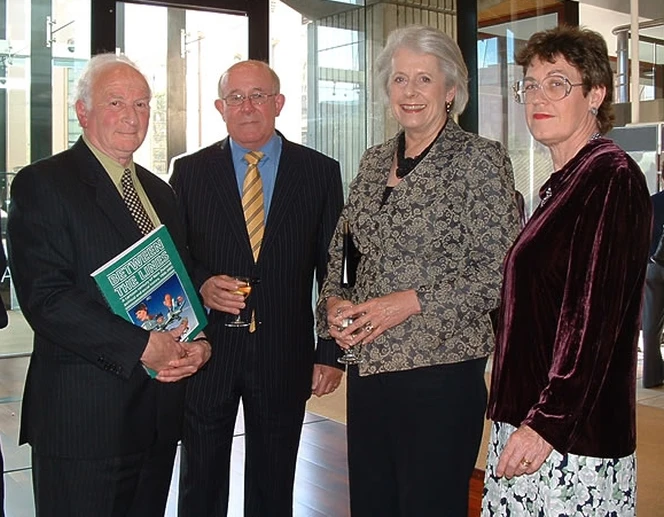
[653,302]
[258,206]
[103,433]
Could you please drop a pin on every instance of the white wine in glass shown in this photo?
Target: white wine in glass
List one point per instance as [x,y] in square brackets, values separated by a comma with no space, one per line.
[244,290]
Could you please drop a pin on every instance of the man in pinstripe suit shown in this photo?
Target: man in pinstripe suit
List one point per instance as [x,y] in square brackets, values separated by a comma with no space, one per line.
[103,433]
[274,367]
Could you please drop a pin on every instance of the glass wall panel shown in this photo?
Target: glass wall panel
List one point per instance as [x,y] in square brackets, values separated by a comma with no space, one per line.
[321,66]
[651,55]
[66,34]
[188,51]
[502,119]
[321,57]
[59,31]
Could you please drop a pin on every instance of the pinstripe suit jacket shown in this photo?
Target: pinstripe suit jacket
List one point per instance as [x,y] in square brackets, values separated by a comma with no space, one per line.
[305,206]
[86,394]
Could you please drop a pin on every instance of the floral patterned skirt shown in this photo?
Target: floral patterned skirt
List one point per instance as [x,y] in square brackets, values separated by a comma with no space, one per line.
[565,485]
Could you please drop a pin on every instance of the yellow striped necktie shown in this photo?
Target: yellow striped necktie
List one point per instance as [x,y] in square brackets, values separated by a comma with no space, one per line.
[252,202]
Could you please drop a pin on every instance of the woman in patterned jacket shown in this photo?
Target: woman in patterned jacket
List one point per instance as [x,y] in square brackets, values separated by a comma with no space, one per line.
[432,213]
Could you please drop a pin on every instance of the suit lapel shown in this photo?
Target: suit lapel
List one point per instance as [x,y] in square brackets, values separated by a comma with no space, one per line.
[92,173]
[161,204]
[288,183]
[222,180]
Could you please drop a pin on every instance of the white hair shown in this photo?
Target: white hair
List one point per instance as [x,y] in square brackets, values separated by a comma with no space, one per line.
[94,67]
[427,40]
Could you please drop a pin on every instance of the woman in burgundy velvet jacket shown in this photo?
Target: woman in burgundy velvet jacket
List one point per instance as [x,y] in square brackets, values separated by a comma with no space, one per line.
[563,383]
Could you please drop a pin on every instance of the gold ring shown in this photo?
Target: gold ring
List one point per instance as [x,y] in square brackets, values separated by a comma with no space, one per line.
[369,327]
[526,463]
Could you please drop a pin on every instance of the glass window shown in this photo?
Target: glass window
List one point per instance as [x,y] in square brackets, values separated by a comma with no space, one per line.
[188,51]
[321,67]
[502,119]
[37,78]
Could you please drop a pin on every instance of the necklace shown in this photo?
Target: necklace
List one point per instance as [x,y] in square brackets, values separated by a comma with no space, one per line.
[595,136]
[404,164]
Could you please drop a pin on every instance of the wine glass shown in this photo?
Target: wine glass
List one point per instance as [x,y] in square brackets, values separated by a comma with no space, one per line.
[352,354]
[244,290]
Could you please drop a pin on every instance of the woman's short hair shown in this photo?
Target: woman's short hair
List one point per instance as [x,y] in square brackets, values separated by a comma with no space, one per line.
[427,40]
[94,67]
[584,49]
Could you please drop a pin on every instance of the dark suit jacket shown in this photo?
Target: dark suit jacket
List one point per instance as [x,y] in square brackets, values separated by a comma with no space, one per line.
[4,320]
[86,394]
[306,203]
[657,220]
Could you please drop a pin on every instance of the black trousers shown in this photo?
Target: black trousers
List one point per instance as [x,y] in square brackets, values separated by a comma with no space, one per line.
[128,486]
[653,324]
[413,438]
[273,425]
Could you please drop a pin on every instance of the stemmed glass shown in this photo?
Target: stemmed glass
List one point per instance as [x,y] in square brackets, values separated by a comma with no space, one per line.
[244,290]
[351,355]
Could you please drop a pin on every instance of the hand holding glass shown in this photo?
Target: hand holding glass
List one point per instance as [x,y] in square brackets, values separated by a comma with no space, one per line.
[243,290]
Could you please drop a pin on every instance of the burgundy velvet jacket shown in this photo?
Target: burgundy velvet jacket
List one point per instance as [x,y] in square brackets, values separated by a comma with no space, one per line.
[565,360]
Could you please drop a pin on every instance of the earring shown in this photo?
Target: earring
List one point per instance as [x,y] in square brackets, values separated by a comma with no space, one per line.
[448,107]
[593,111]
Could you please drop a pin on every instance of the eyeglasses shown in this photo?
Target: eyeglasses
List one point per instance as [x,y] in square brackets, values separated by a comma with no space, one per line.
[555,88]
[256,99]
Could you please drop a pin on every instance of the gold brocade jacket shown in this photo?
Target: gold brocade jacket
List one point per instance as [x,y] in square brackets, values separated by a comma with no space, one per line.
[444,231]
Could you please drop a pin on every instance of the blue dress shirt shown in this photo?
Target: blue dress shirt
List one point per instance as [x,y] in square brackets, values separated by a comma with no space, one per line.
[267,166]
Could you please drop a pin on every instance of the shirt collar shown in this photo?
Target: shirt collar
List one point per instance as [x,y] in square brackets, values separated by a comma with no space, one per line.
[113,168]
[269,150]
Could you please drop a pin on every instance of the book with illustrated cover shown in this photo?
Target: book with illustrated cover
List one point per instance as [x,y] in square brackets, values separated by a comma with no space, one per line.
[148,285]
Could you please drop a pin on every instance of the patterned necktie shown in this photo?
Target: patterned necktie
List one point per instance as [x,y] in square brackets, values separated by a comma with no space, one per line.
[252,202]
[134,204]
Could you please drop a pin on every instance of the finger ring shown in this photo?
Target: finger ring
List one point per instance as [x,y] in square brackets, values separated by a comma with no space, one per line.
[339,311]
[369,327]
[526,463]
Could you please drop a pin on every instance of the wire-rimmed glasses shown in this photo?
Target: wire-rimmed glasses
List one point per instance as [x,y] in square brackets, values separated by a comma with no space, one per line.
[256,98]
[554,87]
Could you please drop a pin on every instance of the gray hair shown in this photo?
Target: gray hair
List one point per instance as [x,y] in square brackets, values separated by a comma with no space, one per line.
[276,83]
[427,40]
[94,67]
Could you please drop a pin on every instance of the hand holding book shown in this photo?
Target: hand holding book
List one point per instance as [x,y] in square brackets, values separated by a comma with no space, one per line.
[148,285]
